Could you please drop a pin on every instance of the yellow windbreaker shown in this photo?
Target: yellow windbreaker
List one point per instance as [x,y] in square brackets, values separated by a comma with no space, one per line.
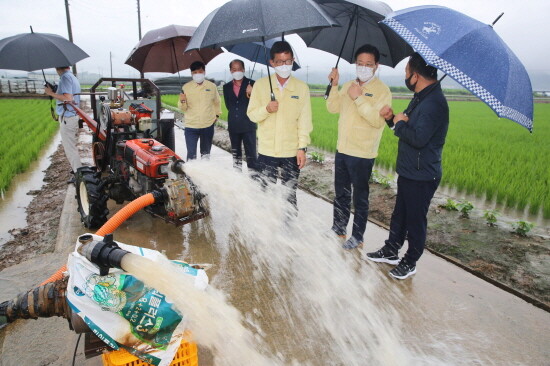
[280,134]
[360,126]
[202,106]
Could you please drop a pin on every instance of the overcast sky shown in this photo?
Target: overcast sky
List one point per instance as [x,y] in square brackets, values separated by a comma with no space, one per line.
[103,26]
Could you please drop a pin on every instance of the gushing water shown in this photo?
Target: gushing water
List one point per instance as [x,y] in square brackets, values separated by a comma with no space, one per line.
[326,306]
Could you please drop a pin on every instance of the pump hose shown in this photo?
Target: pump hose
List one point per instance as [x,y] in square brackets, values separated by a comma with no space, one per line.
[112,224]
[43,301]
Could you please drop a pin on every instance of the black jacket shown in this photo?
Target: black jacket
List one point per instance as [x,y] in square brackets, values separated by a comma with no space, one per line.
[238,121]
[421,139]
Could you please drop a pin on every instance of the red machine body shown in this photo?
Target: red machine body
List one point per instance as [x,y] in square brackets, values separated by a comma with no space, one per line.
[148,156]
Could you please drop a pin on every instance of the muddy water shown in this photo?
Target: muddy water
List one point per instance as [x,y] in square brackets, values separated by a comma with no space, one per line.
[14,202]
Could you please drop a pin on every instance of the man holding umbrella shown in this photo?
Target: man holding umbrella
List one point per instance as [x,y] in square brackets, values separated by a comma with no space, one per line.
[242,131]
[421,129]
[200,102]
[67,91]
[284,124]
[359,132]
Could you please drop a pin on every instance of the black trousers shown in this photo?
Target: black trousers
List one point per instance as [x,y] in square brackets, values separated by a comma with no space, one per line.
[351,172]
[271,168]
[248,139]
[409,219]
[192,136]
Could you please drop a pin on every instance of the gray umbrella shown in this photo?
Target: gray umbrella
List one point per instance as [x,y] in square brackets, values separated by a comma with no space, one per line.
[240,21]
[34,51]
[360,24]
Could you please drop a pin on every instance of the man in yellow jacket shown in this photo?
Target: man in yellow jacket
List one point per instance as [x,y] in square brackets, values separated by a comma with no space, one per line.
[284,124]
[200,102]
[360,129]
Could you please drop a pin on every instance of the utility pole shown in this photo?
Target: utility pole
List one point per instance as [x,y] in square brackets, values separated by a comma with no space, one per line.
[111,61]
[139,31]
[307,74]
[68,14]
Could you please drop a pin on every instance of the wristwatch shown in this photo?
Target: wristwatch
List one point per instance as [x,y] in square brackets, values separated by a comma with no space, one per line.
[304,149]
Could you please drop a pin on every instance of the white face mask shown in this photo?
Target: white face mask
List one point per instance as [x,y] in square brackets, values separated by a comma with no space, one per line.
[237,75]
[364,73]
[198,78]
[283,71]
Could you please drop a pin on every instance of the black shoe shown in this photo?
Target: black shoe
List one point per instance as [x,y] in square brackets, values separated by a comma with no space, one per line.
[382,255]
[403,270]
[72,180]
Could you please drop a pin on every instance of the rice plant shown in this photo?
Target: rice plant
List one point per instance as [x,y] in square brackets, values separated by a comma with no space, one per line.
[26,126]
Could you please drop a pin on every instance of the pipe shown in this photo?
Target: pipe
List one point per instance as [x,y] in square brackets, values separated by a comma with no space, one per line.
[126,212]
[113,223]
[43,301]
[105,254]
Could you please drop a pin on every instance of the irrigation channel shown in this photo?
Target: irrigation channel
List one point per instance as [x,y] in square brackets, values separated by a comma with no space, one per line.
[283,292]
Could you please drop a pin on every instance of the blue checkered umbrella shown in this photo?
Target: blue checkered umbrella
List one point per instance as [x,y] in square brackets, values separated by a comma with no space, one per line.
[471,53]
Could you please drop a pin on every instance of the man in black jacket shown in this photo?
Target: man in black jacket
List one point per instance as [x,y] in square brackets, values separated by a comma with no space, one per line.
[242,131]
[421,129]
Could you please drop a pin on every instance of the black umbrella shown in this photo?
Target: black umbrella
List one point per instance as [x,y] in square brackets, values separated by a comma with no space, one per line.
[33,51]
[359,20]
[240,21]
[162,50]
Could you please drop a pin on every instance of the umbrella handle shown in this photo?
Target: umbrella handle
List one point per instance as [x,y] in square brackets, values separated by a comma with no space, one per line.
[272,97]
[329,88]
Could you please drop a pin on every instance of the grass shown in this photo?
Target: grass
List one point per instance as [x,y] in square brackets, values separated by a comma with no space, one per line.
[26,126]
[484,156]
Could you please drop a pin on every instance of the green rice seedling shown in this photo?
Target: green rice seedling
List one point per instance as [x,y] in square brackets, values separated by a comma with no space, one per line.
[465,208]
[491,217]
[29,125]
[317,156]
[523,227]
[450,205]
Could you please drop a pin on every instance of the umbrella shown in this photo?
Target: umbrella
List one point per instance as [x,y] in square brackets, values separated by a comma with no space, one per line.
[162,50]
[359,20]
[33,51]
[241,21]
[471,53]
[255,52]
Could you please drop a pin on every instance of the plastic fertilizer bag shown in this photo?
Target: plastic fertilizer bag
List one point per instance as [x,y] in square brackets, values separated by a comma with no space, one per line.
[123,312]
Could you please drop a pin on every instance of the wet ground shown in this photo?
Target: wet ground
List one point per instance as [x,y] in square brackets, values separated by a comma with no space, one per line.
[521,263]
[443,314]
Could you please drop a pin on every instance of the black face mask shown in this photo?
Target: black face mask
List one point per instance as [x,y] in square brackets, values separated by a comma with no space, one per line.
[410,86]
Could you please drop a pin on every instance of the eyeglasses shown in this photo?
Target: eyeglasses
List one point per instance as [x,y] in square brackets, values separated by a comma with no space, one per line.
[281,62]
[367,65]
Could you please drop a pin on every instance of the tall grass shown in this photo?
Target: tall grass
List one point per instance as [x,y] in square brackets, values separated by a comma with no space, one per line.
[25,127]
[483,155]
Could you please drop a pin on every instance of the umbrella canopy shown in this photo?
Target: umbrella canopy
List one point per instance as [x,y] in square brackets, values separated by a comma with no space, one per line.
[256,51]
[34,51]
[162,50]
[471,53]
[359,25]
[240,21]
